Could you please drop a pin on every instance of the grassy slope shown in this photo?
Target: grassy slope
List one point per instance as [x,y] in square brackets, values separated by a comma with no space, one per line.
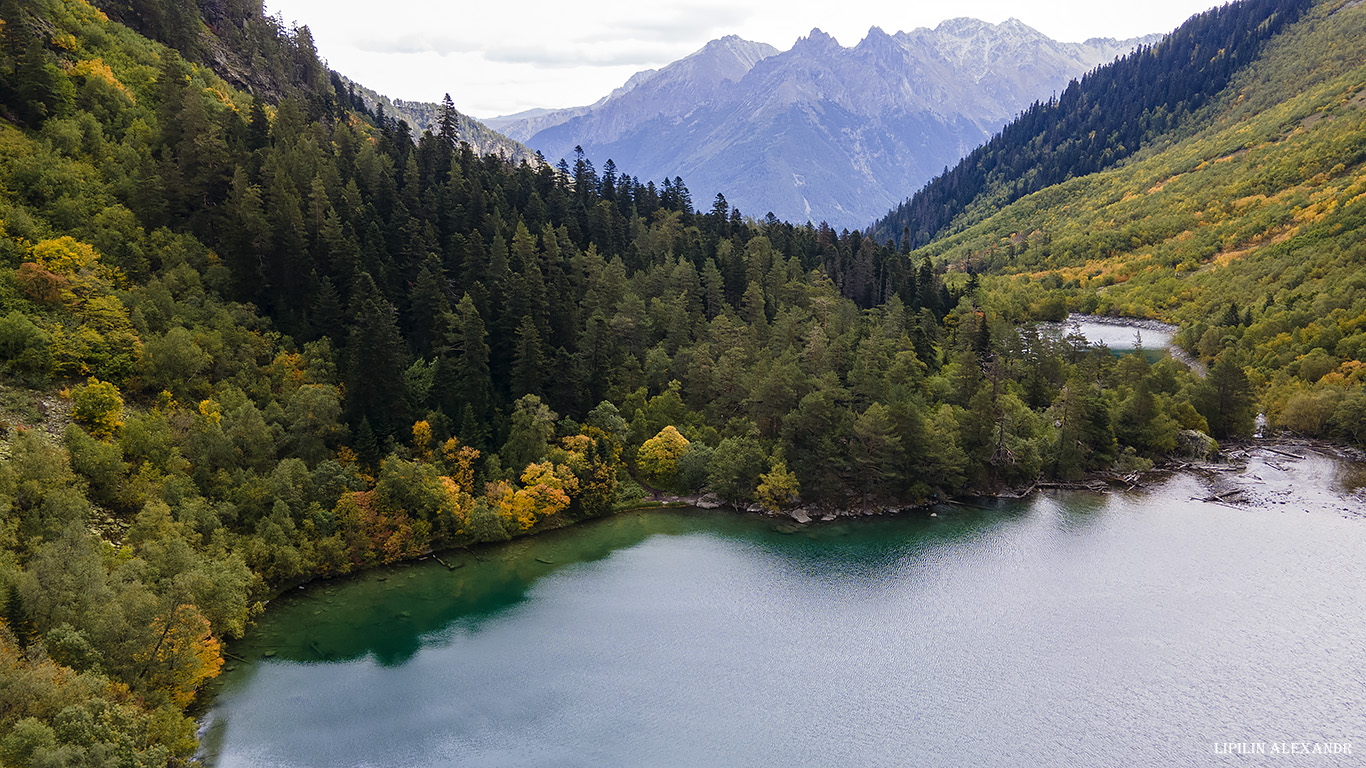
[1261,200]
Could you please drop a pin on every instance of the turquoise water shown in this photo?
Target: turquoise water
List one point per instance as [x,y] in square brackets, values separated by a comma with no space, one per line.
[1076,629]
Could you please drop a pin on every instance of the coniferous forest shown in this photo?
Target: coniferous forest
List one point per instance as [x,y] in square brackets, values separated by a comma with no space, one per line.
[253,333]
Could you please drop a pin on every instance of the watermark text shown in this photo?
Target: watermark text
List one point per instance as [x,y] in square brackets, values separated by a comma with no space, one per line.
[1282,747]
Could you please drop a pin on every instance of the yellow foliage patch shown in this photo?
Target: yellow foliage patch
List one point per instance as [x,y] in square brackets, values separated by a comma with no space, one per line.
[66,256]
[658,456]
[1227,257]
[65,41]
[85,11]
[577,443]
[547,491]
[98,407]
[211,411]
[223,98]
[422,439]
[460,459]
[98,70]
[185,655]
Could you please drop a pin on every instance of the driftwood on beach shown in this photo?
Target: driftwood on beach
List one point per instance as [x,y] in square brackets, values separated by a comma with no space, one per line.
[1224,496]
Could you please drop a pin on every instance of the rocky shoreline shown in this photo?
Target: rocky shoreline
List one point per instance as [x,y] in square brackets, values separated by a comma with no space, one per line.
[1218,471]
[1137,323]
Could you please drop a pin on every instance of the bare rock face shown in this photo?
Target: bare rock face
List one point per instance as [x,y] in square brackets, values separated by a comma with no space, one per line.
[819,132]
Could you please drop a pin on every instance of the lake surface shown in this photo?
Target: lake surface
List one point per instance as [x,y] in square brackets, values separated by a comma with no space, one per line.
[1121,335]
[1070,629]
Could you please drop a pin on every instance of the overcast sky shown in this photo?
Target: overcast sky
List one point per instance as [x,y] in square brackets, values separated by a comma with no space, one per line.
[502,57]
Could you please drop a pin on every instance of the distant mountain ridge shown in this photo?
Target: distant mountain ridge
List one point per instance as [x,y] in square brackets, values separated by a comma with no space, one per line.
[820,131]
[523,125]
[422,116]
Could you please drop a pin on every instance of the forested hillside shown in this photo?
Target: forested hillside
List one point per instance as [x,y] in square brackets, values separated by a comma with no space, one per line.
[1247,229]
[1098,120]
[250,338]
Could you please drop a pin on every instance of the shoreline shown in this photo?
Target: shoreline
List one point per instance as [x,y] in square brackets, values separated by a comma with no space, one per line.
[1220,478]
[1233,457]
[1139,324]
[1060,516]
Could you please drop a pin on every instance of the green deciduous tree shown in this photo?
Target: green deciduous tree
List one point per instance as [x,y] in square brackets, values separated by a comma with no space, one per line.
[533,423]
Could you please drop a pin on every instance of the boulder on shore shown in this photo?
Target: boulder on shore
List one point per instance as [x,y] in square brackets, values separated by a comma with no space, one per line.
[1194,444]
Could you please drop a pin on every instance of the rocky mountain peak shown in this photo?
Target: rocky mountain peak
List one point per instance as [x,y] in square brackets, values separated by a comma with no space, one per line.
[877,39]
[822,131]
[816,41]
[745,53]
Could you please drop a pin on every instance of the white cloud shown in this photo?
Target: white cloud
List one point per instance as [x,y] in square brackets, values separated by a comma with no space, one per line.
[442,46]
[582,56]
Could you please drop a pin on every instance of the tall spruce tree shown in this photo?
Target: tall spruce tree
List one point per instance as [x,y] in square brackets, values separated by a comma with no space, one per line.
[376,359]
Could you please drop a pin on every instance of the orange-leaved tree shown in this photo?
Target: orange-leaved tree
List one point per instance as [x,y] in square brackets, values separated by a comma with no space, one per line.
[374,533]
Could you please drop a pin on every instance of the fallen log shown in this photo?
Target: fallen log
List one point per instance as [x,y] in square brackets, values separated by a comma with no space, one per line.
[1221,497]
[969,506]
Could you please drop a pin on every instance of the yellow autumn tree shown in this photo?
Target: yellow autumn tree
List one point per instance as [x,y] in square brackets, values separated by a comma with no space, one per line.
[546,491]
[68,256]
[551,485]
[454,512]
[658,457]
[422,440]
[98,407]
[460,462]
[102,339]
[184,654]
[577,444]
[516,511]
[593,459]
[778,488]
